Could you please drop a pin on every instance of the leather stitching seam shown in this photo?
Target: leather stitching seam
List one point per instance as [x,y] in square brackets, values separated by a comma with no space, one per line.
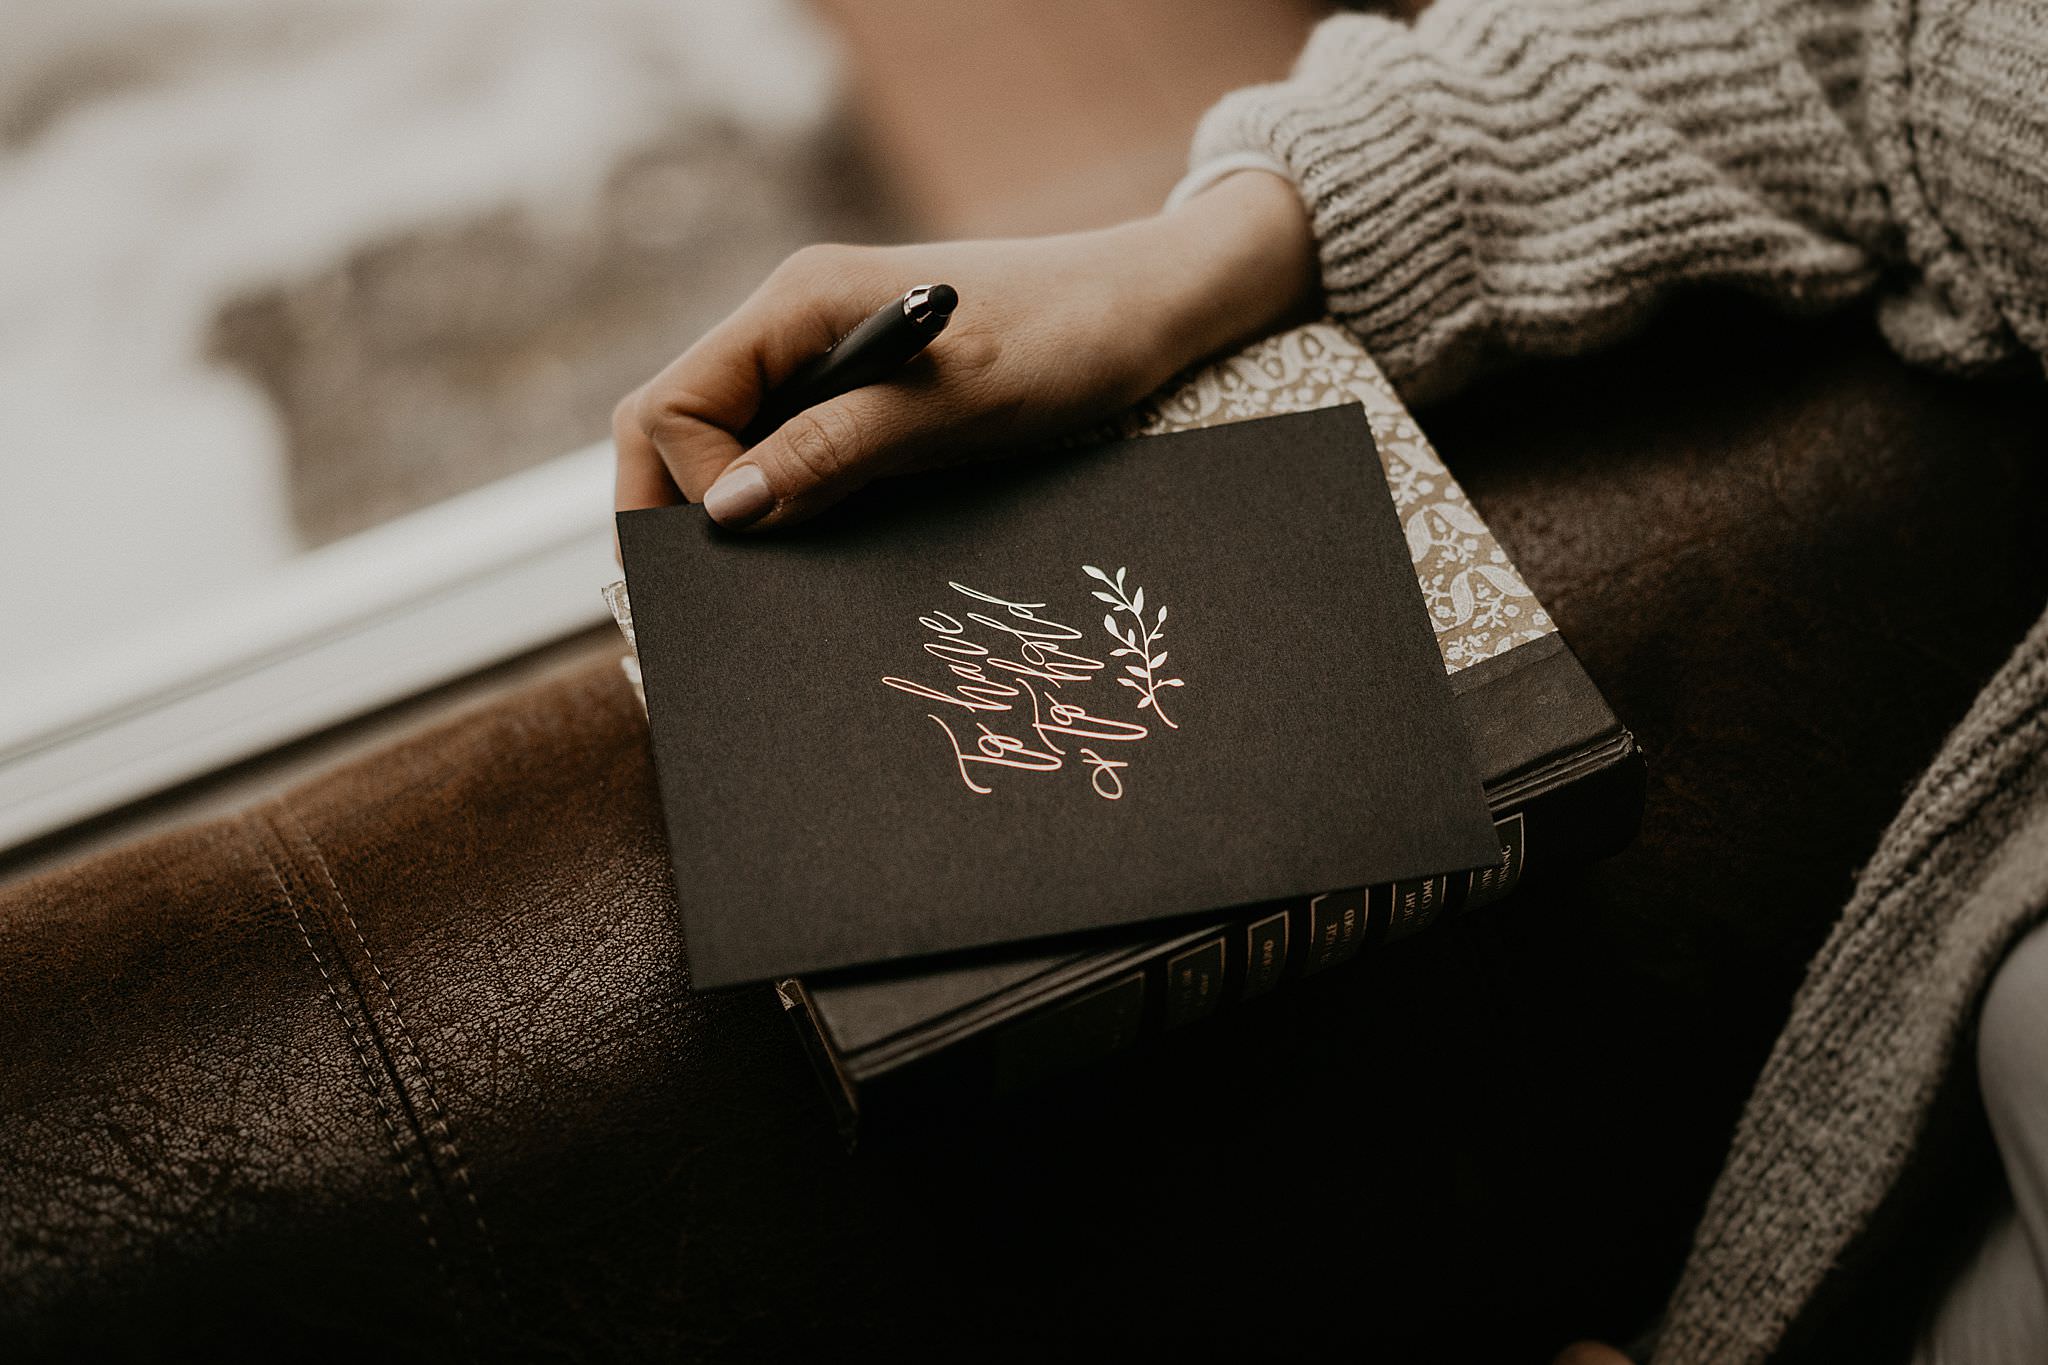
[441,1127]
[370,1079]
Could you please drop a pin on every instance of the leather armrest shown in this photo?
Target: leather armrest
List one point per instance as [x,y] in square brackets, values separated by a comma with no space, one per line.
[407,1058]
[407,1061]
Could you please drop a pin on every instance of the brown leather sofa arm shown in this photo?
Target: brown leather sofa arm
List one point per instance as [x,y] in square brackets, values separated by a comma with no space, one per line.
[407,1062]
[348,1066]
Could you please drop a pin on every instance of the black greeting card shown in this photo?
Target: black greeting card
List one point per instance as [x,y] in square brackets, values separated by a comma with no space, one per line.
[1146,679]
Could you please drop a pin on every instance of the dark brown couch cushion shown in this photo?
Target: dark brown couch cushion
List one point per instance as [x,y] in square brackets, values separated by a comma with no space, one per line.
[408,1062]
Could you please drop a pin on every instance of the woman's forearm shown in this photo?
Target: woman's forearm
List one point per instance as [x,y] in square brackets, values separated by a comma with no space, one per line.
[1051,334]
[1245,261]
[1533,175]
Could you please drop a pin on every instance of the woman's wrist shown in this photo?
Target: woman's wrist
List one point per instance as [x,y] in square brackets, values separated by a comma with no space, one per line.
[1239,261]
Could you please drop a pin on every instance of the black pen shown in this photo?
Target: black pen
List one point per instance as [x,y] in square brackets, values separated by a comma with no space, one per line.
[890,338]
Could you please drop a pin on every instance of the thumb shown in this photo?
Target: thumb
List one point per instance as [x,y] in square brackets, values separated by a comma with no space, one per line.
[815,458]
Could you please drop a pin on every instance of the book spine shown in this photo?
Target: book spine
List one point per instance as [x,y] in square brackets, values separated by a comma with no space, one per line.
[1247,960]
[1182,981]
[1195,977]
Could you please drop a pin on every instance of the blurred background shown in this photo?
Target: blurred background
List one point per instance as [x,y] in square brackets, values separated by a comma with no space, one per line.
[277,273]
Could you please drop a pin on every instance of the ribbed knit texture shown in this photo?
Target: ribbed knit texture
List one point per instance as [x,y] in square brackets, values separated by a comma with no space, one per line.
[1876,1027]
[1533,176]
[1958,93]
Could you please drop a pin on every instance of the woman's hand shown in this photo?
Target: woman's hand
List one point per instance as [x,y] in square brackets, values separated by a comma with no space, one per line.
[1051,333]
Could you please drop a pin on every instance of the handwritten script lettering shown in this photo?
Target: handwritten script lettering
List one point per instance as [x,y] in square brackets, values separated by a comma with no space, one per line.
[1017,672]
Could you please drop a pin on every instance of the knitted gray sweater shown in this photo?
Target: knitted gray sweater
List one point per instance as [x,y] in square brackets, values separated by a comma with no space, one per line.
[1533,176]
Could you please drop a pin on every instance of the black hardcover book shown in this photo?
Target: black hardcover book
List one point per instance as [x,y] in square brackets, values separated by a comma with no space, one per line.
[1565,783]
[1125,682]
[1562,780]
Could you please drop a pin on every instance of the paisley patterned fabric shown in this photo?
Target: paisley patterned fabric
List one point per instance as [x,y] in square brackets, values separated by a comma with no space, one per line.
[1477,600]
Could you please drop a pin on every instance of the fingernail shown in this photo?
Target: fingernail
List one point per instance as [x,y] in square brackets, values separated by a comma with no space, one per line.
[739,497]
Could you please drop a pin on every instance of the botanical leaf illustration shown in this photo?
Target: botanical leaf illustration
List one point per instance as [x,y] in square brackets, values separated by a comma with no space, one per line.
[1139,641]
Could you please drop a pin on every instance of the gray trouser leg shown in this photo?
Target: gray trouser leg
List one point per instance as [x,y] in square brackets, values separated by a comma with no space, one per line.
[1997,1309]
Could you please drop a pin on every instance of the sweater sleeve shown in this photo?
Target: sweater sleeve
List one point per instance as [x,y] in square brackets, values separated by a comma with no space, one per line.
[1533,175]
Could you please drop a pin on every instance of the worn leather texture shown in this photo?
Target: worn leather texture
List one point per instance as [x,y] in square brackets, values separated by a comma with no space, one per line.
[407,1062]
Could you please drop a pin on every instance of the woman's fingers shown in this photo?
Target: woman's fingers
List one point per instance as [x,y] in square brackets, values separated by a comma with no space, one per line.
[820,455]
[1060,331]
[689,413]
[643,480]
